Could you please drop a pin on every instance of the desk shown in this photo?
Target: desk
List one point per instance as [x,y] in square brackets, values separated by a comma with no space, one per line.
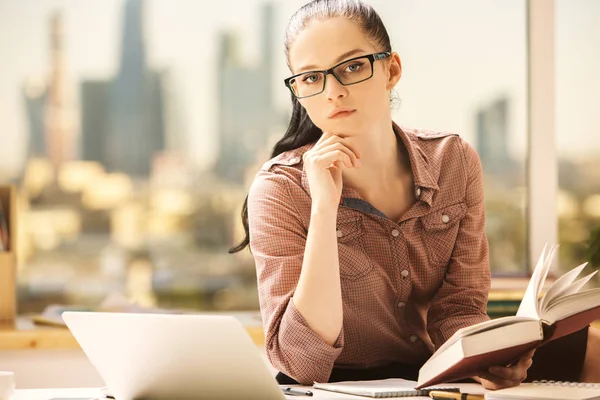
[46,394]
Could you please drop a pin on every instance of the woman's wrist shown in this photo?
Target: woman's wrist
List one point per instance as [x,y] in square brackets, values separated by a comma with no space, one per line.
[322,209]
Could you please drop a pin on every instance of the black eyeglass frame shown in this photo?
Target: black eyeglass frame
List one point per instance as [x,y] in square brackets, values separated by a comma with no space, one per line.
[372,58]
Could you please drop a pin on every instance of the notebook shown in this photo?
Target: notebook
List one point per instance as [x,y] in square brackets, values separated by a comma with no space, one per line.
[548,390]
[394,387]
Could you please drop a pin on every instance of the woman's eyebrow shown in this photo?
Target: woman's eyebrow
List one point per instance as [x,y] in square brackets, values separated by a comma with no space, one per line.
[339,59]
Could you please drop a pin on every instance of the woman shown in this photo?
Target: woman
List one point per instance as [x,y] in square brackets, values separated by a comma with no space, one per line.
[368,238]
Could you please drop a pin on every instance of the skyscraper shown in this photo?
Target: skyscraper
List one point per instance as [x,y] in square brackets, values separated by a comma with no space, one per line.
[123,119]
[492,137]
[246,108]
[60,117]
[94,119]
[50,114]
[35,94]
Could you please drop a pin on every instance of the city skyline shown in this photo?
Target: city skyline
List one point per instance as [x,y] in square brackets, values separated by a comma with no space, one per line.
[245,101]
[131,130]
[423,105]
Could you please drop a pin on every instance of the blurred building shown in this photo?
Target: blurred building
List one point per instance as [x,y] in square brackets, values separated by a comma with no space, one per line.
[492,136]
[123,123]
[246,106]
[61,115]
[50,113]
[35,94]
[94,119]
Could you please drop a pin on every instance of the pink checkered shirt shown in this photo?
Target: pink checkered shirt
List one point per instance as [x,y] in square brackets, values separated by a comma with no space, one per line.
[407,285]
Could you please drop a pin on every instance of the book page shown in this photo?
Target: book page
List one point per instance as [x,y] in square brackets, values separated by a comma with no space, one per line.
[562,287]
[530,306]
[570,291]
[574,304]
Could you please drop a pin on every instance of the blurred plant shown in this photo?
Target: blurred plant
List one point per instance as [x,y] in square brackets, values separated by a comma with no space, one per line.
[593,248]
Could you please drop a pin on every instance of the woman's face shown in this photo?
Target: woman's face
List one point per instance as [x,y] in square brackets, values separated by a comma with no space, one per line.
[323,44]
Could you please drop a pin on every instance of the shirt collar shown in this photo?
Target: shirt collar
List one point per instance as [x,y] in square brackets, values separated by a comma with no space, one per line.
[425,184]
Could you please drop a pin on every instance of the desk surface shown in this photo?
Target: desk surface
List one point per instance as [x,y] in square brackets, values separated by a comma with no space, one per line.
[46,394]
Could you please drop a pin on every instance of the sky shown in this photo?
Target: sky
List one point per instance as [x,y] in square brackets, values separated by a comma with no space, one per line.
[457,56]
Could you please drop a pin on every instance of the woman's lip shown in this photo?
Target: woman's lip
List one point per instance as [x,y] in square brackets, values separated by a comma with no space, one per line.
[343,114]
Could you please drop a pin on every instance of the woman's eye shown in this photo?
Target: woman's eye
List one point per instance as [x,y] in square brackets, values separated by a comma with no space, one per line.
[354,67]
[310,78]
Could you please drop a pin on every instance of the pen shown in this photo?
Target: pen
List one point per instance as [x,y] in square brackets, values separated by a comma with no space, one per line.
[438,395]
[296,392]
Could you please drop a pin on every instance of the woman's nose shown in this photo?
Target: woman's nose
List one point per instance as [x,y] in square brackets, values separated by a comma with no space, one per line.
[334,89]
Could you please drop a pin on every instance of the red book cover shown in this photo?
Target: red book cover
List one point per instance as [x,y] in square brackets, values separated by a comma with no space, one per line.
[472,366]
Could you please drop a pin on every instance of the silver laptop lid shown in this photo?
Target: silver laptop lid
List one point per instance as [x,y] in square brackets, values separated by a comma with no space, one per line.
[165,356]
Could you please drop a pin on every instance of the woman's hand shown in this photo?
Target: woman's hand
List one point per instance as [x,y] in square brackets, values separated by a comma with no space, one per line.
[324,164]
[500,377]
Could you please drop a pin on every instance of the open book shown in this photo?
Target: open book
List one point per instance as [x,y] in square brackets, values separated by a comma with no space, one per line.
[562,310]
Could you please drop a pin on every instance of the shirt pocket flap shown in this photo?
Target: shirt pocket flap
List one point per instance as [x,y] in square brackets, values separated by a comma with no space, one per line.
[445,217]
[349,229]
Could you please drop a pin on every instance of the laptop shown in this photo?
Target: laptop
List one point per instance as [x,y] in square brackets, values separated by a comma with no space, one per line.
[167,356]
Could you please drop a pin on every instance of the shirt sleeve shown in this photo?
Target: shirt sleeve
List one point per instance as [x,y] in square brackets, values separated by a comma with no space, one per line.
[277,242]
[462,298]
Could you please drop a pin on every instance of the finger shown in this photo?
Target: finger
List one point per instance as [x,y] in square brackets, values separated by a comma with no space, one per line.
[499,381]
[325,160]
[336,172]
[526,363]
[324,136]
[341,147]
[510,373]
[528,355]
[522,360]
[338,139]
[497,384]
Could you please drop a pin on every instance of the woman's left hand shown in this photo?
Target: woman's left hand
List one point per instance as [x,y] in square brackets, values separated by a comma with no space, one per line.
[500,377]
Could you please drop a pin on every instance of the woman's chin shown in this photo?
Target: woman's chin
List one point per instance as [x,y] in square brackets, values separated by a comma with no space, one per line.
[342,129]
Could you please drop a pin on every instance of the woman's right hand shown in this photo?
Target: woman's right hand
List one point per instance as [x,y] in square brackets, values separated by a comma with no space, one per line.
[324,164]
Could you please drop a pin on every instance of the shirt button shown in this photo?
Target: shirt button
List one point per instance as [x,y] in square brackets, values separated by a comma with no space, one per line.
[339,233]
[445,218]
[418,192]
[401,304]
[395,232]
[413,338]
[404,273]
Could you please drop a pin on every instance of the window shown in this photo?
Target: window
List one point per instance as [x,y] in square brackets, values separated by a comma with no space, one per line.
[465,72]
[133,129]
[578,124]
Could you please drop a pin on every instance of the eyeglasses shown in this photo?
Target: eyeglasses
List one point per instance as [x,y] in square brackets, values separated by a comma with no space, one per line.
[349,72]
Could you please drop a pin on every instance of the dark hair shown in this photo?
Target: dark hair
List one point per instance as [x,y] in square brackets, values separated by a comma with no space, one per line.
[301,130]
